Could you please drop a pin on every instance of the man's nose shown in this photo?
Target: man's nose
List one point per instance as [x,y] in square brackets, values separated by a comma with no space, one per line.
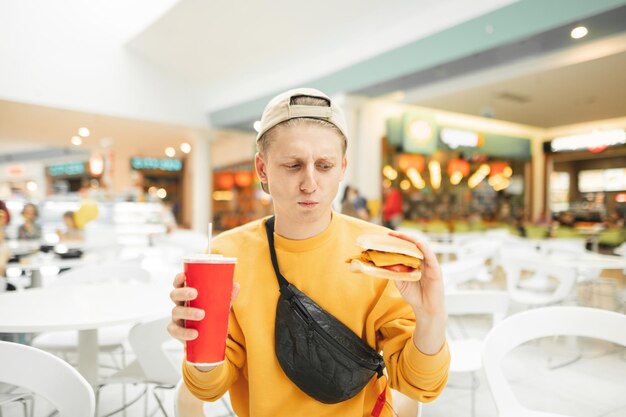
[308,183]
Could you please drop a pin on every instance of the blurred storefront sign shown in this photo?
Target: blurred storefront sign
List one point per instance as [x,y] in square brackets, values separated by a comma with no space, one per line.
[419,133]
[595,142]
[158,164]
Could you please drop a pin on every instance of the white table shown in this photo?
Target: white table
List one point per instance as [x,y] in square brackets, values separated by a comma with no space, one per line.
[589,260]
[36,262]
[445,250]
[84,308]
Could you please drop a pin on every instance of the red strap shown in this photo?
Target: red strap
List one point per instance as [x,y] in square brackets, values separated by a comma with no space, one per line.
[380,401]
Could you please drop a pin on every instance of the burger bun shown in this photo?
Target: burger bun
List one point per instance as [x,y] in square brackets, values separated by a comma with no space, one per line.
[388,243]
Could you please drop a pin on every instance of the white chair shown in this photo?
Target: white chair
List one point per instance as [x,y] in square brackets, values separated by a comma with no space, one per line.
[15,396]
[519,269]
[151,366]
[484,248]
[48,376]
[534,324]
[465,350]
[110,339]
[461,271]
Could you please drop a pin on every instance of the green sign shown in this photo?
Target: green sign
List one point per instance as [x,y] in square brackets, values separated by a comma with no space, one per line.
[419,133]
[67,169]
[394,131]
[159,164]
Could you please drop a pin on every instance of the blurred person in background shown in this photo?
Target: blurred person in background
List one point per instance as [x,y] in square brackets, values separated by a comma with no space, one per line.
[353,204]
[393,208]
[614,220]
[5,252]
[29,230]
[72,231]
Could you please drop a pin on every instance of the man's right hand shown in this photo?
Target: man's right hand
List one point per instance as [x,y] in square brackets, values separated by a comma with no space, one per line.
[180,295]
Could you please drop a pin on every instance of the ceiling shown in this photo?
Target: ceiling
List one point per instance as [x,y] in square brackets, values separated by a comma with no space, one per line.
[234,52]
[238,50]
[591,90]
[27,129]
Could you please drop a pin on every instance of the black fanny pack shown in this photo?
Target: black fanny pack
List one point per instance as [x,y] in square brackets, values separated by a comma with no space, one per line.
[318,353]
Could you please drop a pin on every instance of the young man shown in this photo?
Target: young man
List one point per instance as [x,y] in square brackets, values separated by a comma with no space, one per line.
[301,161]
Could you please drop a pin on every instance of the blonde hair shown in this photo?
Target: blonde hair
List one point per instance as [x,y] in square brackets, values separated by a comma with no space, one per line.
[264,142]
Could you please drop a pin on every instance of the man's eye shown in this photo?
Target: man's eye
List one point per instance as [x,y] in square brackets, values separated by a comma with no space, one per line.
[292,166]
[325,167]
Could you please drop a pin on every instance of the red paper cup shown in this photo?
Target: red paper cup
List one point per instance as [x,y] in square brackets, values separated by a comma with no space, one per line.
[212,276]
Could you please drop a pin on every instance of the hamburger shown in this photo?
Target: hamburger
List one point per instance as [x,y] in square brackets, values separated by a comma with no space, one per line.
[388,257]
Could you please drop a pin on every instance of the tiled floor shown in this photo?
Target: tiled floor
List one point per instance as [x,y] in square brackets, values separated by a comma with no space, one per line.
[593,386]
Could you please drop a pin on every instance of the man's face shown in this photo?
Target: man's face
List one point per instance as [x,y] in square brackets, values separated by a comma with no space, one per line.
[303,166]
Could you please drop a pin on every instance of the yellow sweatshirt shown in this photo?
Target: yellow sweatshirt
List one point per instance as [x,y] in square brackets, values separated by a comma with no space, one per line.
[372,308]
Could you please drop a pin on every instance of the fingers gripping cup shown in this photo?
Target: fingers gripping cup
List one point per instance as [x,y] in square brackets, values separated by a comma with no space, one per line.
[212,276]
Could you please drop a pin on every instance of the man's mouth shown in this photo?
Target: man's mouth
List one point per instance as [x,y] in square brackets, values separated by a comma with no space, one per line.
[307,204]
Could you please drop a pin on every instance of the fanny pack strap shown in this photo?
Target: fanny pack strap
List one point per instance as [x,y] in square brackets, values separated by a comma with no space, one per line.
[282,281]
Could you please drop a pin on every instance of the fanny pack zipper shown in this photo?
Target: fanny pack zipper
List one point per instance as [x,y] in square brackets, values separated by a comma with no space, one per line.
[304,314]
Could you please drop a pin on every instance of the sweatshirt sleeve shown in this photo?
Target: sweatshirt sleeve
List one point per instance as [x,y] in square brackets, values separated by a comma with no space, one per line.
[210,386]
[415,374]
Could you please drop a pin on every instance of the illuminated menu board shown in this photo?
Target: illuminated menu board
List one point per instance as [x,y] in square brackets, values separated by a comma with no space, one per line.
[602,180]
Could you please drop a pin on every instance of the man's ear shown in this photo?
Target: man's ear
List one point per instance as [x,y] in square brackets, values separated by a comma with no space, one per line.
[261,169]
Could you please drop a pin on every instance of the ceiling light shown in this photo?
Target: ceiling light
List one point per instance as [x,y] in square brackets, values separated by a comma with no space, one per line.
[76,140]
[161,193]
[478,176]
[31,186]
[83,131]
[416,179]
[390,173]
[435,174]
[185,147]
[579,32]
[169,151]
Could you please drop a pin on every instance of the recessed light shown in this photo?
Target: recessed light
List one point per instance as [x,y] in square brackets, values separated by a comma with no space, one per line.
[76,140]
[579,32]
[185,147]
[83,131]
[169,151]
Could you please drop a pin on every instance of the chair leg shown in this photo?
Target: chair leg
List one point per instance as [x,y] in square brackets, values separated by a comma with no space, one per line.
[473,395]
[97,398]
[159,402]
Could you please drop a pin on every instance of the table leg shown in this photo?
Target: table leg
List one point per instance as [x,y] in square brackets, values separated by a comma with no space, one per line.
[35,279]
[88,355]
[595,243]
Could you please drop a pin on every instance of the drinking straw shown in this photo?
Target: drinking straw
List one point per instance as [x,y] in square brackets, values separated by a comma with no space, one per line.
[210,235]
